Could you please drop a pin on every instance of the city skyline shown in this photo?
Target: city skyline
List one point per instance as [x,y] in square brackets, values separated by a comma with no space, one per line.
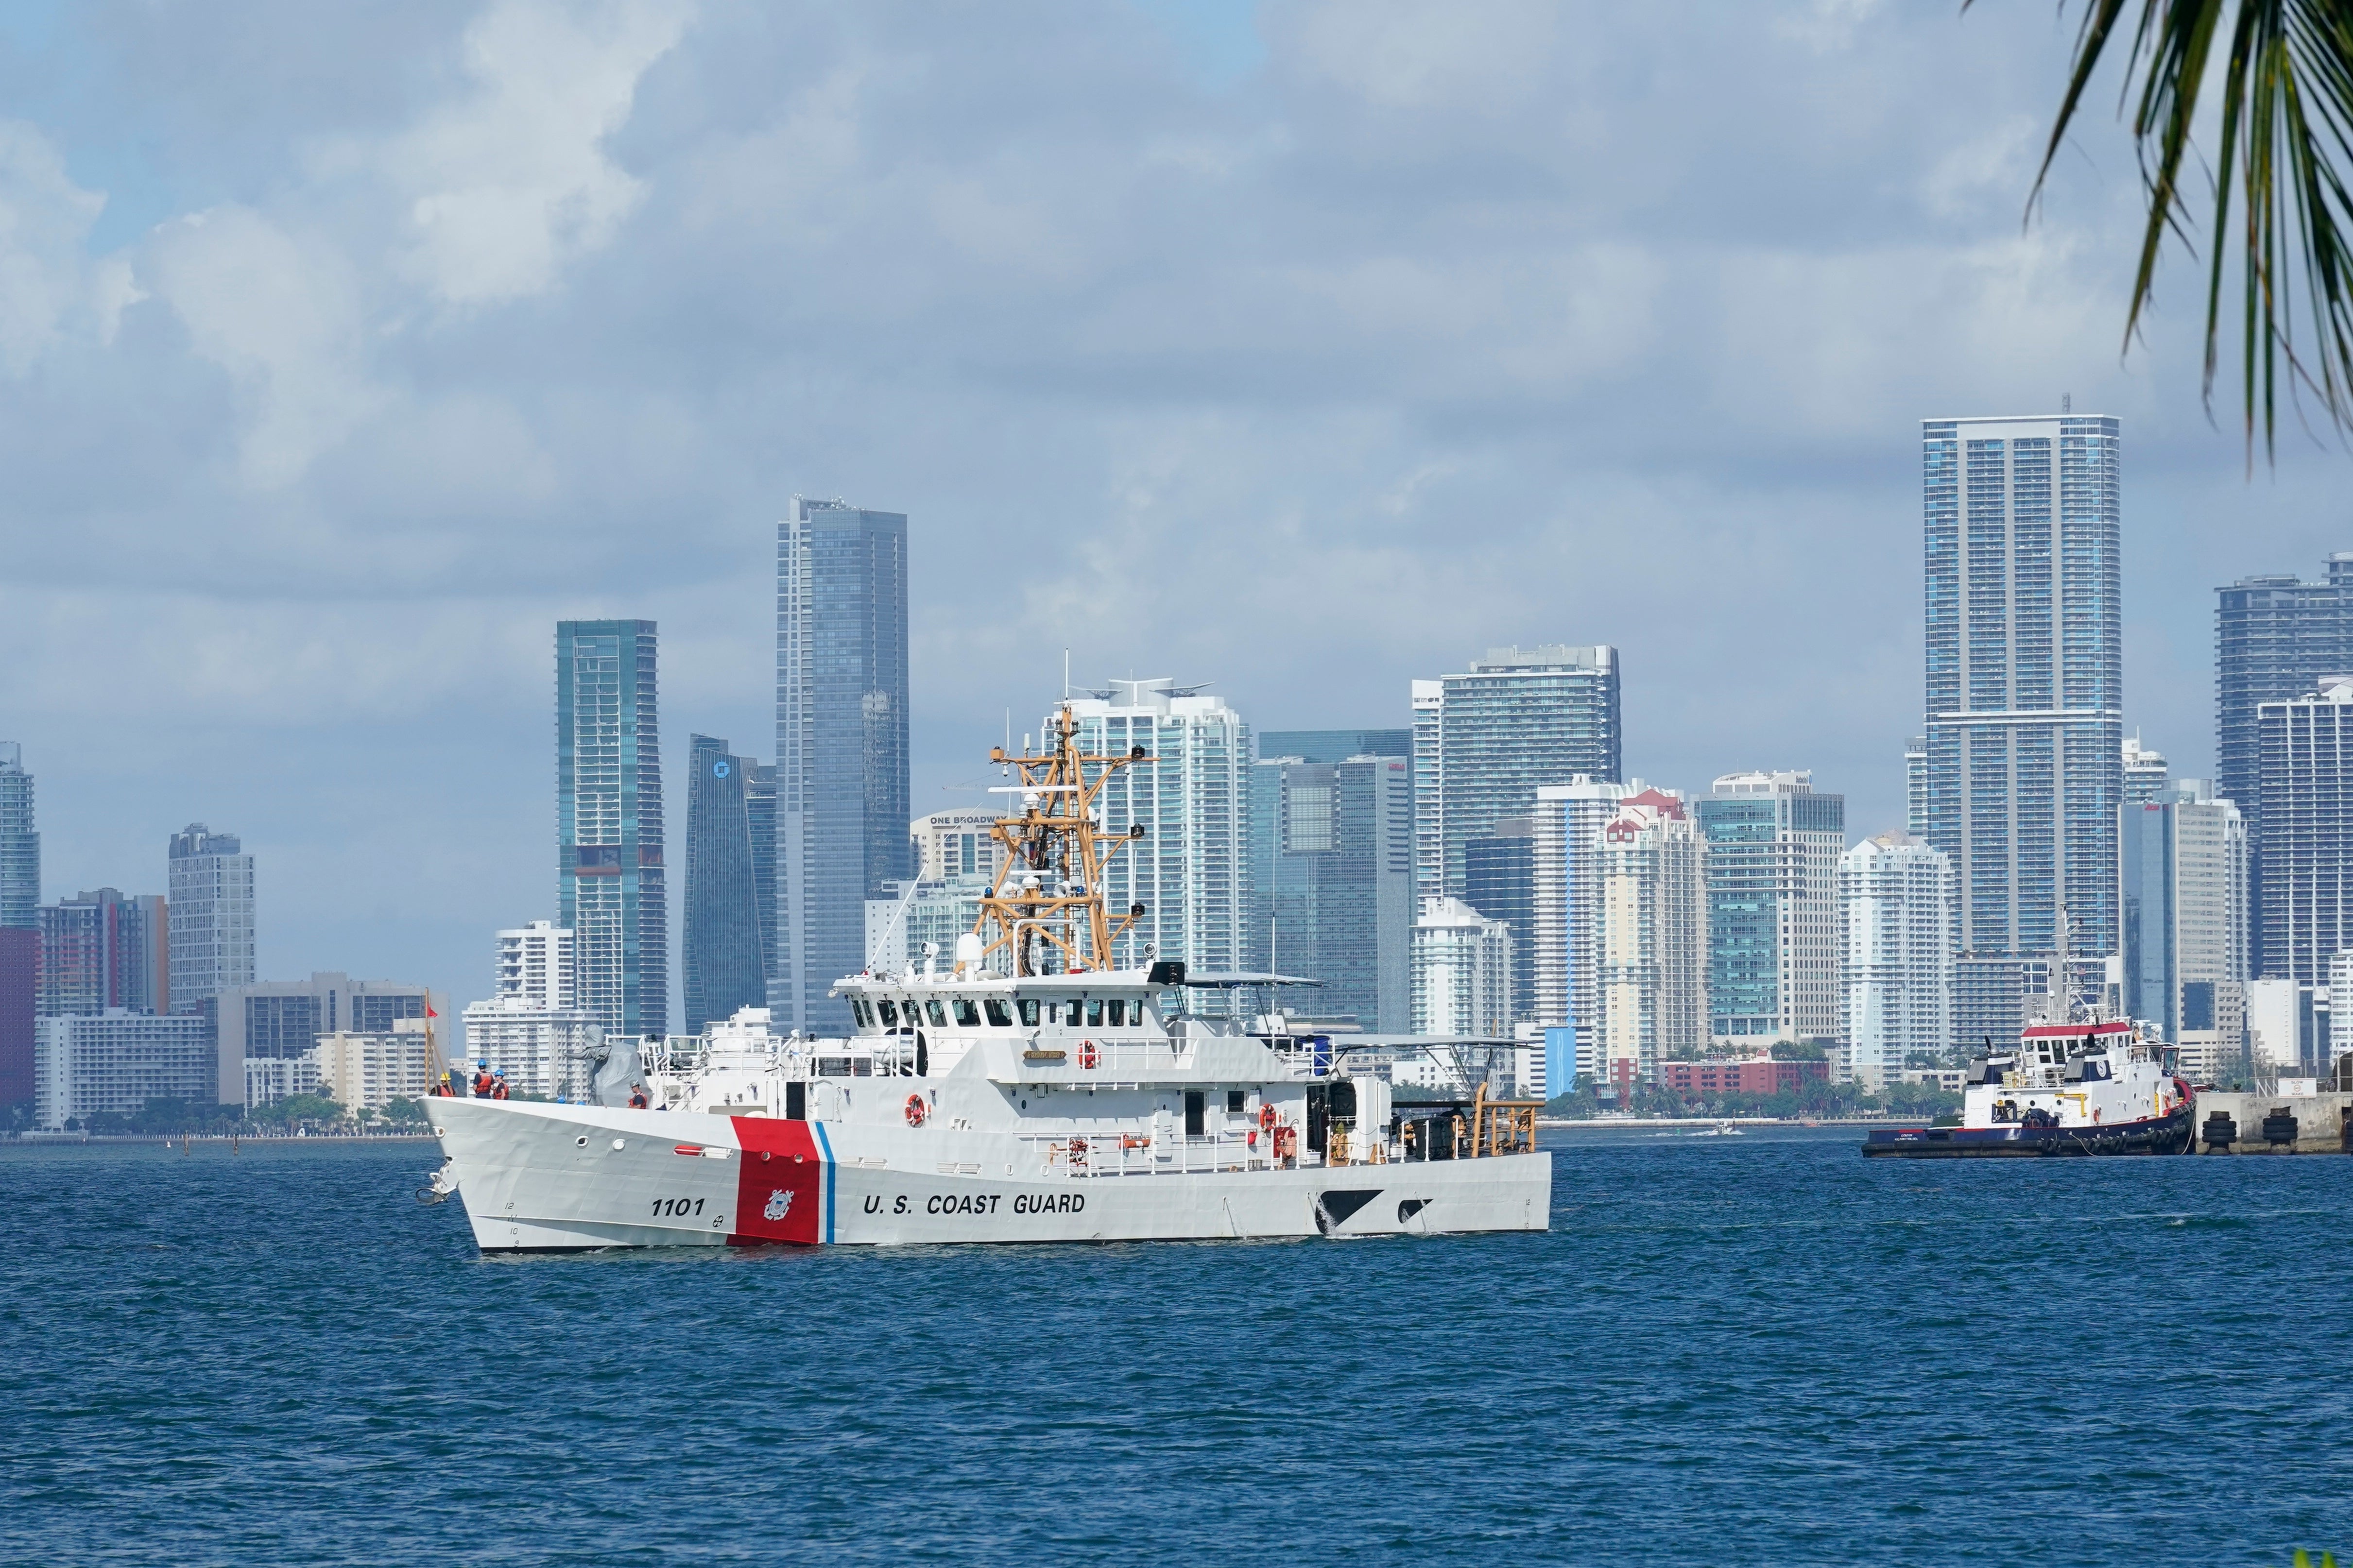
[1648,409]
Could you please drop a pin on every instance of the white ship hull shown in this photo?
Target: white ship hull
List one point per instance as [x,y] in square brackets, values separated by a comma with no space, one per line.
[539,1177]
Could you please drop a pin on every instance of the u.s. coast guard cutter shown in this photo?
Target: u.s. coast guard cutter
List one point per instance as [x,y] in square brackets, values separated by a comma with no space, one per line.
[1030,1091]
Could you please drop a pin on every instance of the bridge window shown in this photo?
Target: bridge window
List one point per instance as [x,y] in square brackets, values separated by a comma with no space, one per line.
[939,1014]
[890,1013]
[1094,1014]
[998,1015]
[859,1010]
[1029,1005]
[968,1015]
[1116,1011]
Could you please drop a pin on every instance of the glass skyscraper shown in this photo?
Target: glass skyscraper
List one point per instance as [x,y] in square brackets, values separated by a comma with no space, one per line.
[1499,881]
[1774,942]
[611,888]
[842,789]
[1335,745]
[1339,882]
[20,845]
[2274,637]
[721,967]
[2022,521]
[1487,740]
[760,819]
[1304,746]
[2184,871]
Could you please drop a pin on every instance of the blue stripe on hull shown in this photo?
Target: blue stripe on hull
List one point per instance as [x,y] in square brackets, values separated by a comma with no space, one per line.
[825,1147]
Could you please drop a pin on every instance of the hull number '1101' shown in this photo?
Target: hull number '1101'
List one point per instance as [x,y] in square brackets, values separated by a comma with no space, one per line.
[678,1205]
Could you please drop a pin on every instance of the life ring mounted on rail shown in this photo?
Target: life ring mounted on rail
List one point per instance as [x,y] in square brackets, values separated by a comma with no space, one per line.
[1266,1117]
[916,1111]
[1089,1057]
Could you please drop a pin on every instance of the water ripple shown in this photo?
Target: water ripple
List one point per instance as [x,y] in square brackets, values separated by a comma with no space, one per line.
[1761,1350]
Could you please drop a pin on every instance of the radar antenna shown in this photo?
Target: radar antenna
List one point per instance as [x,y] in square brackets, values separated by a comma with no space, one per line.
[1046,906]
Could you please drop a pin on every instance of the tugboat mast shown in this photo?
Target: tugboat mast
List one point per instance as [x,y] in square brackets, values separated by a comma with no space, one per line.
[1046,906]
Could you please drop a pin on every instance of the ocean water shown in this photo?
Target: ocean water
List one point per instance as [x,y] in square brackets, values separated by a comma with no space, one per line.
[1728,1350]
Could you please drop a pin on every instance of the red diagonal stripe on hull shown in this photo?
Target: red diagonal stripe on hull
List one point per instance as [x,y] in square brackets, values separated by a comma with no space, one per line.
[782,1170]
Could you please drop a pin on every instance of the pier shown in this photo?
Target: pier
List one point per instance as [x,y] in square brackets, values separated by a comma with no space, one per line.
[2237,1123]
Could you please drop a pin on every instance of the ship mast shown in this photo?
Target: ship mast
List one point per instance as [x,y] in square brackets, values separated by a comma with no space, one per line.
[1046,906]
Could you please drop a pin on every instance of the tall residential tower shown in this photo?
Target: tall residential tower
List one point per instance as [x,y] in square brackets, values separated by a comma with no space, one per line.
[611,888]
[20,899]
[842,782]
[212,920]
[1484,740]
[2274,637]
[2022,519]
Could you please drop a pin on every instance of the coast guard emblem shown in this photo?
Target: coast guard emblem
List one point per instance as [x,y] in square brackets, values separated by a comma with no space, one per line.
[780,1203]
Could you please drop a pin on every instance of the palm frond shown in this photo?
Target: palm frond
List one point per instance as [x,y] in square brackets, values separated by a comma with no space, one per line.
[2284,156]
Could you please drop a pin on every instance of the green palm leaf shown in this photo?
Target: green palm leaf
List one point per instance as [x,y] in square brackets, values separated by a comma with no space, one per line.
[2284,73]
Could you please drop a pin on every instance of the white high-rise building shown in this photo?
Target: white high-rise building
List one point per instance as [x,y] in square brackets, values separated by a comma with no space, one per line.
[2341,1004]
[530,1025]
[1654,938]
[212,925]
[1462,972]
[536,964]
[2144,773]
[1191,869]
[1563,964]
[367,1072]
[1915,786]
[1895,894]
[118,1061]
[926,915]
[958,843]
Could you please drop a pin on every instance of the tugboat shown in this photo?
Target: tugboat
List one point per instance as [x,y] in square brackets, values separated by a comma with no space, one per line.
[1034,1091]
[2095,1087]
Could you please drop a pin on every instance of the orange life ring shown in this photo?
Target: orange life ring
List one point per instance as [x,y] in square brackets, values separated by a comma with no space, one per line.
[1087,1055]
[1266,1118]
[1078,1151]
[915,1110]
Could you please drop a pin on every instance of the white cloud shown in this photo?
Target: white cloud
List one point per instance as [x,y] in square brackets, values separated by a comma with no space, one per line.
[1454,325]
[1413,55]
[500,188]
[282,312]
[50,287]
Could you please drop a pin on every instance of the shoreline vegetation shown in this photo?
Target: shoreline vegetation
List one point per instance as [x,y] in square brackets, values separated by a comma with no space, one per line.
[300,1115]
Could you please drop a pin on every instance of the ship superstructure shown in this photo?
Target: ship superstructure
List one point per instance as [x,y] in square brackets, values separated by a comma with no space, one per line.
[1023,1090]
[2070,1085]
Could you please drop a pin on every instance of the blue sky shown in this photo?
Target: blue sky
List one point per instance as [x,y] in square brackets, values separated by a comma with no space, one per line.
[1300,348]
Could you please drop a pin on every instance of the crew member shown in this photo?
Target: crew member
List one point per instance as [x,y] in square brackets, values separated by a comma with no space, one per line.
[499,1084]
[483,1082]
[636,1097]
